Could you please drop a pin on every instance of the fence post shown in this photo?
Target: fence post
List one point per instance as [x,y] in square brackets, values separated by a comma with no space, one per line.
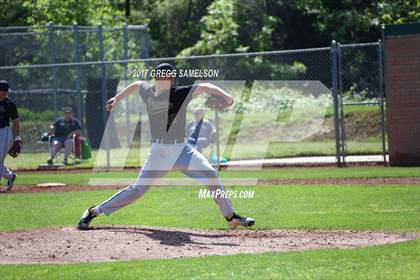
[382,98]
[216,116]
[341,105]
[334,76]
[125,57]
[104,88]
[51,46]
[78,75]
[146,43]
[125,41]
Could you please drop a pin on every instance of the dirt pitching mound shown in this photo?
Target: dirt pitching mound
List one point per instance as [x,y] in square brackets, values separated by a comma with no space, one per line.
[106,243]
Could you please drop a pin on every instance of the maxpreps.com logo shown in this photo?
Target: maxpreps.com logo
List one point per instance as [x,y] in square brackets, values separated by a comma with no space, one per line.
[229,194]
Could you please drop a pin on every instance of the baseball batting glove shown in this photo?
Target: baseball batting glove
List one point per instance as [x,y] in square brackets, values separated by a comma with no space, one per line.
[16,148]
[217,102]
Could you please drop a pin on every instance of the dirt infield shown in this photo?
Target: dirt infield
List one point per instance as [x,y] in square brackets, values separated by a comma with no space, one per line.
[106,243]
[341,181]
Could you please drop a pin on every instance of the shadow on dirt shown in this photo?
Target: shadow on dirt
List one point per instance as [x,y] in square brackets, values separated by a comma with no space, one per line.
[168,237]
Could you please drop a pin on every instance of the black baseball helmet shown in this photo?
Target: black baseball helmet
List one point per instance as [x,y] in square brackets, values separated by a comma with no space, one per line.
[4,86]
[165,70]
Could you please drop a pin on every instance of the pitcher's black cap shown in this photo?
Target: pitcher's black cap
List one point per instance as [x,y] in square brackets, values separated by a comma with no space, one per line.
[165,66]
[4,86]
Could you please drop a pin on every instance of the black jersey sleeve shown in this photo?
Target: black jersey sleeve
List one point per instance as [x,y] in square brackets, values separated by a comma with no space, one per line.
[56,124]
[13,113]
[77,124]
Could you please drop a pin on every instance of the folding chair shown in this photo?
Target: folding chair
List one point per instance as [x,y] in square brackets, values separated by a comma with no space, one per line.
[59,156]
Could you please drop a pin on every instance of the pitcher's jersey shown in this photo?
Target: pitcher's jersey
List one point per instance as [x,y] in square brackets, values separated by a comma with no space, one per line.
[8,111]
[167,111]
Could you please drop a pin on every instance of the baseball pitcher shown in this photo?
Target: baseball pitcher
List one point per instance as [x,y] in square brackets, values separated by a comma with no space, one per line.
[166,106]
[8,112]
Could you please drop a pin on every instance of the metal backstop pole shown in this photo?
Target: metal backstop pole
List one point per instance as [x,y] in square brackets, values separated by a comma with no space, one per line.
[382,98]
[216,115]
[146,43]
[341,104]
[51,46]
[334,89]
[104,88]
[78,74]
[127,102]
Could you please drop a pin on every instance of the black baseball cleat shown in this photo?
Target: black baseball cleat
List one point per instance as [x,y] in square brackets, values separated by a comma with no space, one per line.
[50,162]
[10,182]
[86,218]
[237,220]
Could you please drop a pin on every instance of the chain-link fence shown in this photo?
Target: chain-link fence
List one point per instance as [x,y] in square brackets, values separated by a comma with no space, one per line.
[42,88]
[262,120]
[260,115]
[50,44]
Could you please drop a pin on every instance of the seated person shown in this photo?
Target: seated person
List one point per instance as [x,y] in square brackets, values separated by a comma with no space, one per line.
[62,134]
[200,132]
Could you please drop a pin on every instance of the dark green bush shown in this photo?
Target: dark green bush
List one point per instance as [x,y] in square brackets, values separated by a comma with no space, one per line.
[26,115]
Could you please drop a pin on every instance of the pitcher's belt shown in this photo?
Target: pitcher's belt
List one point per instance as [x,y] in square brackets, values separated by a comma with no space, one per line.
[167,141]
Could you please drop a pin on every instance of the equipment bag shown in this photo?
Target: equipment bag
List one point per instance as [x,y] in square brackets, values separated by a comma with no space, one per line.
[86,154]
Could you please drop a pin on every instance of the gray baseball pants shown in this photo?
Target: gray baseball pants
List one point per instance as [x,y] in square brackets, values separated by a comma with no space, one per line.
[161,159]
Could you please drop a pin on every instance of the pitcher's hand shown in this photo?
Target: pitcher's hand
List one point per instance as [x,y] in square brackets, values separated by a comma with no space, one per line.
[111,103]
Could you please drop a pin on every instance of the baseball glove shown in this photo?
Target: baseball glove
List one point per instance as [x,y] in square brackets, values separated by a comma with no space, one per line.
[14,151]
[217,102]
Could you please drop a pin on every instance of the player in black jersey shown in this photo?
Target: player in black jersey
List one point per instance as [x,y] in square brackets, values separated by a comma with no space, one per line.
[8,114]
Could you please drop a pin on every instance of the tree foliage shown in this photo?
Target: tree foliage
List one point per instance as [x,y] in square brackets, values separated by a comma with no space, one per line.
[88,12]
[219,33]
[214,26]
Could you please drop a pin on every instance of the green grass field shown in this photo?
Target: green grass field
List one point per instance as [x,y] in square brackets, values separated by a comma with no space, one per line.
[30,178]
[361,207]
[245,151]
[392,207]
